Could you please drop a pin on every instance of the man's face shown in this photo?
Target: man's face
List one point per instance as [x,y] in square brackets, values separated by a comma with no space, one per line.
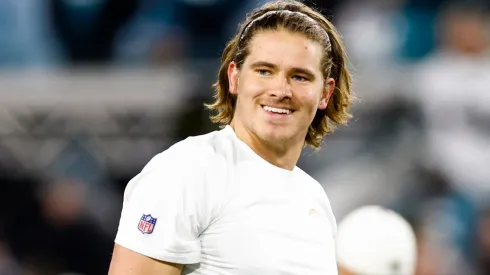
[280,86]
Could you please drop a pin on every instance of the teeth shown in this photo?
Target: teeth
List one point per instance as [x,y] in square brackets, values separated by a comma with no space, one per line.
[277,110]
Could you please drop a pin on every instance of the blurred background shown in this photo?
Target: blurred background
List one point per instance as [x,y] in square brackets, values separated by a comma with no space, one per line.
[90,90]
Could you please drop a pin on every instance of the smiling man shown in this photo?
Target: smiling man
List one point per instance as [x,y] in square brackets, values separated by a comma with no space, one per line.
[233,201]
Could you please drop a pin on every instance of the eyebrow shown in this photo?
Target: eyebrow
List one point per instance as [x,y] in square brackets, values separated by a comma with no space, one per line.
[273,66]
[263,64]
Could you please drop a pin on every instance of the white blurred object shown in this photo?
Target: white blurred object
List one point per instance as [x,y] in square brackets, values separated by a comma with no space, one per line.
[452,90]
[375,240]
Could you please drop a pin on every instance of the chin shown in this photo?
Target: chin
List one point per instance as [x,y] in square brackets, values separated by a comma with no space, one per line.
[276,134]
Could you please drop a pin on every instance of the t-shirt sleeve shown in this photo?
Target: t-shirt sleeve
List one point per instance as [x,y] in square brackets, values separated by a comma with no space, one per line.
[164,211]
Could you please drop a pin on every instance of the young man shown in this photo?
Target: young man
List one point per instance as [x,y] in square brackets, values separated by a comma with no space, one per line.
[233,201]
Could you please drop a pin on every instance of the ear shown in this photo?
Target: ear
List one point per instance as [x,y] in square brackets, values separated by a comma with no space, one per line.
[328,90]
[233,78]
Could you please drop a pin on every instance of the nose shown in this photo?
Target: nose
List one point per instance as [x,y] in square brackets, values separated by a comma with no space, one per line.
[281,88]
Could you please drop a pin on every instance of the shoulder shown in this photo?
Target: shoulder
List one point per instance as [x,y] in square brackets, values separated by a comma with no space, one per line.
[313,188]
[317,192]
[310,183]
[208,150]
[198,162]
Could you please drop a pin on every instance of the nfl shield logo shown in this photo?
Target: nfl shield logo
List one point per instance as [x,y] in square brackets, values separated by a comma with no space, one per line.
[147,224]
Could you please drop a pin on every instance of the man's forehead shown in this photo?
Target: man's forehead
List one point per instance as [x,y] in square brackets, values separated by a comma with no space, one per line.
[284,49]
[273,38]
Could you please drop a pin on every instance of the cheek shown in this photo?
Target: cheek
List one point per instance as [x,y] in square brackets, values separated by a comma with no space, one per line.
[310,99]
[251,90]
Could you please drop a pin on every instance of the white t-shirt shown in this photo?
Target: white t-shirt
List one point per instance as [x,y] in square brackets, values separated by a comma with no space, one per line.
[211,203]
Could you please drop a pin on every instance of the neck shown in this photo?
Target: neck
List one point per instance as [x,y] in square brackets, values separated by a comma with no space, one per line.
[284,155]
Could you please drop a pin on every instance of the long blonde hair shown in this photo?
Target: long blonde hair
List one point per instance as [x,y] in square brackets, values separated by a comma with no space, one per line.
[298,18]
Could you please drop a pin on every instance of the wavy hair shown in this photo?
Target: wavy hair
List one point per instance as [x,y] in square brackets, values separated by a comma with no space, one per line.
[295,17]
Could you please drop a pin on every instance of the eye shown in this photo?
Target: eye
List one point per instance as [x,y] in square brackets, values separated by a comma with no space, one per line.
[300,78]
[263,72]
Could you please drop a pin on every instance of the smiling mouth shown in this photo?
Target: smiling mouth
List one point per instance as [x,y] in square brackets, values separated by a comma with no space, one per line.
[279,111]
